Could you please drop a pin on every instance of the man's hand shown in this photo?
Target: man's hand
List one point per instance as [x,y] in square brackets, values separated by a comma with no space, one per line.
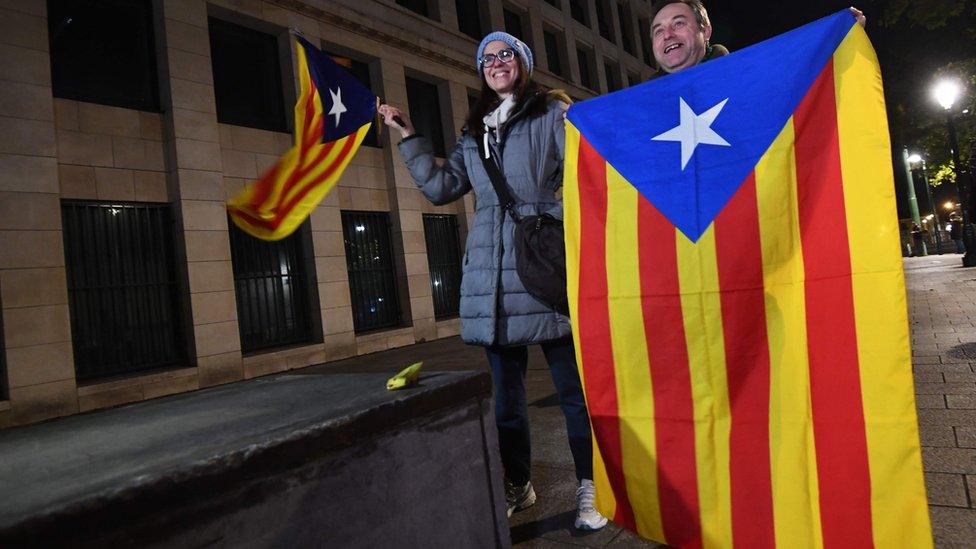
[859,15]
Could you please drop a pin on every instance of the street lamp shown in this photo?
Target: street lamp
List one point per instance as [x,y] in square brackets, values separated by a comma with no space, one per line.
[916,159]
[946,93]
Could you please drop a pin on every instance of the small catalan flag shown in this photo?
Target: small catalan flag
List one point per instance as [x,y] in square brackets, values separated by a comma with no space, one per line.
[332,115]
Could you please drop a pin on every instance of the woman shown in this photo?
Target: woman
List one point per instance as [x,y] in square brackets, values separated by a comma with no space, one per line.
[521,128]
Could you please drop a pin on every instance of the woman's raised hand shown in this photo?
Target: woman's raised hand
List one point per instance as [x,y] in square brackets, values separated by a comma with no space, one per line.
[389,112]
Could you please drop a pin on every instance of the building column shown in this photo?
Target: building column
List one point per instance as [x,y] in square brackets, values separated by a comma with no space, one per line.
[40,376]
[196,188]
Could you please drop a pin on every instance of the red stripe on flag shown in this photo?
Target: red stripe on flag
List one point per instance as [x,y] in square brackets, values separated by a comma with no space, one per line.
[264,186]
[740,273]
[596,348]
[674,411]
[835,384]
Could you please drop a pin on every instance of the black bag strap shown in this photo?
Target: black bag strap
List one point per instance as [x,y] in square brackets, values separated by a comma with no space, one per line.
[498,182]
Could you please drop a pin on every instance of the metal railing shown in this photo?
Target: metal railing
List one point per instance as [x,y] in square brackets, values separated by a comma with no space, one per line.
[274,306]
[122,290]
[444,263]
[372,276]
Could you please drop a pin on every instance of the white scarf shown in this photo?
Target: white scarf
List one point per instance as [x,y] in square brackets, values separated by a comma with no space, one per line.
[496,119]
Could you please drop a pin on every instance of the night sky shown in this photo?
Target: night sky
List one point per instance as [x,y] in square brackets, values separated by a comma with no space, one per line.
[908,54]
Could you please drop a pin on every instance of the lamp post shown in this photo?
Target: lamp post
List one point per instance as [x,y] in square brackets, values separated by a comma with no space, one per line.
[946,92]
[916,159]
[918,244]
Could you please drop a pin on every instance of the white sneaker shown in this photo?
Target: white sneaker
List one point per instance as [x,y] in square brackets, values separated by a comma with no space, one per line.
[519,497]
[587,517]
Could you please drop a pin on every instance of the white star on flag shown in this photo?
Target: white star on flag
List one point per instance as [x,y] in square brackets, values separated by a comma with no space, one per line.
[694,130]
[337,107]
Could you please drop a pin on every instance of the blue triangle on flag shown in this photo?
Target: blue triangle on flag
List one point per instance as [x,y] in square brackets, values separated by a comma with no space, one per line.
[743,99]
[339,92]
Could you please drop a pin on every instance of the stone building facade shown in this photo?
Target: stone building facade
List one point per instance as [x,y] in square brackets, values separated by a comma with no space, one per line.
[67,158]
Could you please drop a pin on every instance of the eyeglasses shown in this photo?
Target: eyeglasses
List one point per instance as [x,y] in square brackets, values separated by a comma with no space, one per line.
[504,56]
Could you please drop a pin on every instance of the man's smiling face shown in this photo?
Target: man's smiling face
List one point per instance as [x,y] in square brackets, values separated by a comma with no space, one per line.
[678,40]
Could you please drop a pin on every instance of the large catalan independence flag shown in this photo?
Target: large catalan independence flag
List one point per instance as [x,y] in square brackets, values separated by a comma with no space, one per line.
[739,305]
[332,115]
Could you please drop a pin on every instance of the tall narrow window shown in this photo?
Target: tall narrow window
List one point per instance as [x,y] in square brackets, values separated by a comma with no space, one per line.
[372,277]
[603,19]
[513,24]
[469,18]
[360,70]
[416,6]
[247,77]
[586,67]
[613,78]
[425,112]
[3,360]
[552,52]
[271,283]
[122,291]
[626,28]
[444,262]
[579,11]
[645,37]
[102,51]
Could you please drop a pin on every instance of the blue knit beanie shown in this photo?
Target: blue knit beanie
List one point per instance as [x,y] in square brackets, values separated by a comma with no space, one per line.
[521,49]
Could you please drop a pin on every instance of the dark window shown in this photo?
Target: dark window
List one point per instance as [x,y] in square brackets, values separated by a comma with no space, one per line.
[102,51]
[469,18]
[645,36]
[587,79]
[472,99]
[372,278]
[552,52]
[603,19]
[444,262]
[613,78]
[122,291]
[579,11]
[3,360]
[247,77]
[633,78]
[361,71]
[416,6]
[275,307]
[513,24]
[554,3]
[425,112]
[626,30]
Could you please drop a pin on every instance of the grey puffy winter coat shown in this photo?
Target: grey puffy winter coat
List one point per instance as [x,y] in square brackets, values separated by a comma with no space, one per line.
[495,308]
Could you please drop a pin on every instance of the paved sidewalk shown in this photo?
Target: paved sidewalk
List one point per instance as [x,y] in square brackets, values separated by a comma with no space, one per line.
[942,306]
[942,311]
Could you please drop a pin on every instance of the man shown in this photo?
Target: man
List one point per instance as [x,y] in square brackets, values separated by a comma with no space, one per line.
[681,34]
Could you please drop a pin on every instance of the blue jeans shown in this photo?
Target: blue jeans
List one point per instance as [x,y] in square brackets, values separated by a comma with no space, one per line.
[508,366]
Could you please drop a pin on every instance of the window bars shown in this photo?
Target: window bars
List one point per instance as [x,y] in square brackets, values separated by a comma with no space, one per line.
[122,290]
[372,277]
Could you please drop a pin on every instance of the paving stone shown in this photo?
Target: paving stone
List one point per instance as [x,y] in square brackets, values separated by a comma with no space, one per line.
[961,401]
[959,377]
[949,460]
[930,401]
[965,437]
[946,489]
[937,436]
[952,527]
[930,377]
[945,389]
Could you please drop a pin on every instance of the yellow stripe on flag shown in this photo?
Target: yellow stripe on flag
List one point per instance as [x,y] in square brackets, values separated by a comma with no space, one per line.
[635,396]
[796,497]
[899,509]
[571,225]
[701,308]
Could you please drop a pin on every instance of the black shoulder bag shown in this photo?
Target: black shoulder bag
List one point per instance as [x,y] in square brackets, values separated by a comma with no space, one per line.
[540,251]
